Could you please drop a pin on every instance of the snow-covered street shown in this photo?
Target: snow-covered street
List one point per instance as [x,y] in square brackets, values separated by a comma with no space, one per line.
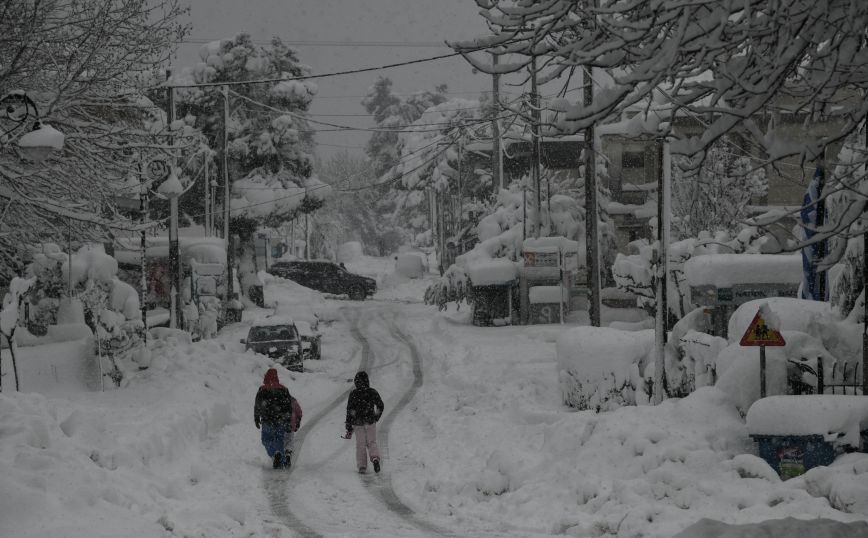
[475,440]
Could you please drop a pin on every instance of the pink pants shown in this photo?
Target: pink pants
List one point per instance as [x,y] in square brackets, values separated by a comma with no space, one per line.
[366,440]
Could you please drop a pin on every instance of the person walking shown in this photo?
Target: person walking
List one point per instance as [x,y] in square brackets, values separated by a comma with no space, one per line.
[364,409]
[279,416]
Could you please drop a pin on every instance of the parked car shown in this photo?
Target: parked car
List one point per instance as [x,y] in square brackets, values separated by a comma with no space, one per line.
[326,277]
[278,340]
[310,340]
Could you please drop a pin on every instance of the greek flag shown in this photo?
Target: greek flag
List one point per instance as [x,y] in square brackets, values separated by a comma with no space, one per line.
[812,215]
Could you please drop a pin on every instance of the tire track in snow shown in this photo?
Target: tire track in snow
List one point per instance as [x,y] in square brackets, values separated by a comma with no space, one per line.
[276,483]
[386,492]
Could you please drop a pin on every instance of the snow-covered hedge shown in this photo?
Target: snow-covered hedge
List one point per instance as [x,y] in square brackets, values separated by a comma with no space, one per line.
[601,368]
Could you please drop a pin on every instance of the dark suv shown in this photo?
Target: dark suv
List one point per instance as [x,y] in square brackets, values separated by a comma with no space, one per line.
[326,277]
[279,341]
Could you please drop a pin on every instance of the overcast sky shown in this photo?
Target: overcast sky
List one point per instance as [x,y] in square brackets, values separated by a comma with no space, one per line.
[420,24]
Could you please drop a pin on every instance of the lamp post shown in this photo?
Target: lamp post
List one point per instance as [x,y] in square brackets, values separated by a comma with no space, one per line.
[171,188]
[42,140]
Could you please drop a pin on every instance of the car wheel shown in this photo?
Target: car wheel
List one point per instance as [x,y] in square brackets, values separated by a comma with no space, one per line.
[357,294]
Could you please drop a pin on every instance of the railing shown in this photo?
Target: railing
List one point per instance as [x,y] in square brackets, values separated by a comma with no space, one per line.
[845,379]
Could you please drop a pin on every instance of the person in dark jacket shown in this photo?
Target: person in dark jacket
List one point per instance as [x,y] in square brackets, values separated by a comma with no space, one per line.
[279,415]
[364,409]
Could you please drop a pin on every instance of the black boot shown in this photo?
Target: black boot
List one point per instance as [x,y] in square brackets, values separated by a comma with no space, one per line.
[376,466]
[277,460]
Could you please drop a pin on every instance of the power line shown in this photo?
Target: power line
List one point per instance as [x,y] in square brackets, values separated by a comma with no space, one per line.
[306,77]
[393,129]
[330,43]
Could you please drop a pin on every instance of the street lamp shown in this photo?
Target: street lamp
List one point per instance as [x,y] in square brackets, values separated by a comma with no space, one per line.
[42,140]
[172,189]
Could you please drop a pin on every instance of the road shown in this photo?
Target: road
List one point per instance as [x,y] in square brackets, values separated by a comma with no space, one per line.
[323,495]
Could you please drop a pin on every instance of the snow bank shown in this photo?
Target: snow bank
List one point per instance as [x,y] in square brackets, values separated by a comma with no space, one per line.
[836,417]
[600,367]
[724,270]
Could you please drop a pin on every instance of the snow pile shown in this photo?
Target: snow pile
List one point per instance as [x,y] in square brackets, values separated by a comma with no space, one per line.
[738,367]
[601,368]
[640,471]
[837,418]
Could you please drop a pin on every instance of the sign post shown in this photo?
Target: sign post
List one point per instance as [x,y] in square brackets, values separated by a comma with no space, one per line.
[760,334]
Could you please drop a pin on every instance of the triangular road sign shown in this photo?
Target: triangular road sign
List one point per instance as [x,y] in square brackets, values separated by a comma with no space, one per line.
[760,334]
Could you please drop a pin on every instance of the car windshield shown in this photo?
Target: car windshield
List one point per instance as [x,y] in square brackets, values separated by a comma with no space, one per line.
[271,333]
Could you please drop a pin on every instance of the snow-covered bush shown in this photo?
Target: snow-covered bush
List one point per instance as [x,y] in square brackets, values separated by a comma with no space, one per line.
[601,368]
[635,273]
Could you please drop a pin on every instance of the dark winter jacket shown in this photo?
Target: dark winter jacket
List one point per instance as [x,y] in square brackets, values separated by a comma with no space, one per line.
[364,405]
[274,405]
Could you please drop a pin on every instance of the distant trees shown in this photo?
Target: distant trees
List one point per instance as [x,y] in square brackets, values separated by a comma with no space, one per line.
[269,151]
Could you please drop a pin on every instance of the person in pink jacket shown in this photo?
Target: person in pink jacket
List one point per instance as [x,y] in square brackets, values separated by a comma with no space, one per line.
[279,416]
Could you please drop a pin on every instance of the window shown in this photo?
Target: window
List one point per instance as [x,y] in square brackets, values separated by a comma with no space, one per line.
[633,159]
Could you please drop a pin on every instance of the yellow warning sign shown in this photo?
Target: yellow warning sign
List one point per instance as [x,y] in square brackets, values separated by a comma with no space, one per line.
[759,333]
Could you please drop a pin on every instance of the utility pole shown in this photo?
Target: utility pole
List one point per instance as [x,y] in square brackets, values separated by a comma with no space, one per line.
[207,196]
[662,268]
[496,152]
[143,263]
[177,301]
[536,146]
[865,288]
[230,258]
[460,185]
[592,239]
[307,236]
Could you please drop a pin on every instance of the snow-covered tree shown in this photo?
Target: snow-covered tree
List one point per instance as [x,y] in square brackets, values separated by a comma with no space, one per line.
[86,64]
[270,141]
[391,114]
[724,62]
[717,197]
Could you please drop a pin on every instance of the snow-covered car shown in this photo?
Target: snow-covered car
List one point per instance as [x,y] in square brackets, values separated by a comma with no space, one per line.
[310,340]
[278,340]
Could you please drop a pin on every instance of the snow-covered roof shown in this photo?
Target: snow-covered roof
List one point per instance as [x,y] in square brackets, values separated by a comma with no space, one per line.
[831,416]
[724,270]
[487,272]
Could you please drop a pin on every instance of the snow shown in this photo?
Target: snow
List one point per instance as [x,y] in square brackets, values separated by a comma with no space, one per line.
[489,272]
[837,418]
[484,447]
[171,187]
[596,363]
[724,270]
[45,136]
[410,265]
[548,294]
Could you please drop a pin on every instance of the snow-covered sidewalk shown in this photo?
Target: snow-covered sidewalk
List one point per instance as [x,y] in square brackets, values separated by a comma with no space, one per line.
[493,441]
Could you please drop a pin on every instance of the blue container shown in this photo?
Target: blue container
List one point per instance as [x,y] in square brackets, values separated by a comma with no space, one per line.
[792,455]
